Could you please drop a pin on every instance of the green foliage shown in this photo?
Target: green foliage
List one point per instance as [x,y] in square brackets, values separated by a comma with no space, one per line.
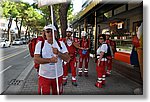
[31,17]
[9,9]
[69,14]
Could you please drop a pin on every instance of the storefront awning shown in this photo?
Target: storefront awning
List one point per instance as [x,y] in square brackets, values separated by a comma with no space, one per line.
[89,7]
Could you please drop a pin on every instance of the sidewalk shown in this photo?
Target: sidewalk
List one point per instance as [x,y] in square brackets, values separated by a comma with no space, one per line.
[116,84]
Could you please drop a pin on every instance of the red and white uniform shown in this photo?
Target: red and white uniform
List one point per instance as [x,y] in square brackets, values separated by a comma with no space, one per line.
[47,72]
[72,64]
[109,62]
[101,73]
[84,56]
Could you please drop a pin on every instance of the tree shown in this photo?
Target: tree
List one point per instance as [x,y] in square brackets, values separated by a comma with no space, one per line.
[60,15]
[21,7]
[9,12]
[33,20]
[63,17]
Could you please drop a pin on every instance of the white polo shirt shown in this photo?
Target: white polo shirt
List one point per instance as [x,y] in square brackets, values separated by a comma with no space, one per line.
[49,70]
[102,48]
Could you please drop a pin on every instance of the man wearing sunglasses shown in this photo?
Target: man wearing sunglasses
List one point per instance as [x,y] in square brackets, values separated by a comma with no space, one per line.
[50,59]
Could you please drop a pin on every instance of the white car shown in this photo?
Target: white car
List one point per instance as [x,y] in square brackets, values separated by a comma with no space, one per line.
[17,42]
[4,43]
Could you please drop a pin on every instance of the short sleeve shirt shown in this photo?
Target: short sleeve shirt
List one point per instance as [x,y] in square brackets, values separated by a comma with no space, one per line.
[49,70]
[102,48]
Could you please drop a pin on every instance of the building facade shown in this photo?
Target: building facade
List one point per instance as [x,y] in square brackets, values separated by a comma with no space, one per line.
[120,19]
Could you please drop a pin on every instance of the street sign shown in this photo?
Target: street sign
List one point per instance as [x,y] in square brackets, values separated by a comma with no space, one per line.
[50,2]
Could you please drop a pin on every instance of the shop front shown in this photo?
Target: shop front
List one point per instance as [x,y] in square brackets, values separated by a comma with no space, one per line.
[121,20]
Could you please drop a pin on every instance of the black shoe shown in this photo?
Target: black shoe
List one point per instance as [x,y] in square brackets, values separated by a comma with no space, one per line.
[74,83]
[80,75]
[107,75]
[64,83]
[86,75]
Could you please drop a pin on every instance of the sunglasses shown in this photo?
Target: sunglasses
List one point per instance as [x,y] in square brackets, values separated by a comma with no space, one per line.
[100,38]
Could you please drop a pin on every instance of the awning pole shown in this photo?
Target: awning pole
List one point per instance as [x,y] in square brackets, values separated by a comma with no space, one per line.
[52,17]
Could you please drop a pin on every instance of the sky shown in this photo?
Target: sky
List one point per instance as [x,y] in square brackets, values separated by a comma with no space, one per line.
[76,5]
[28,1]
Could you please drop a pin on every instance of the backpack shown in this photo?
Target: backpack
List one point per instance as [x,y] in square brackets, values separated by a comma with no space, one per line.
[33,43]
[113,46]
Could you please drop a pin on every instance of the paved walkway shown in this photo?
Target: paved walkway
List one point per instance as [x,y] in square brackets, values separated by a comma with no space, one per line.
[116,84]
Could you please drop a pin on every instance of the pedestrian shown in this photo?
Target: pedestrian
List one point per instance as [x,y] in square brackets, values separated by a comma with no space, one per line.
[137,41]
[71,45]
[50,59]
[84,55]
[134,56]
[112,45]
[101,62]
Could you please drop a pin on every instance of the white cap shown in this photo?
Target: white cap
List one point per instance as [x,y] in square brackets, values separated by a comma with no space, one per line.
[107,33]
[83,33]
[50,26]
[69,29]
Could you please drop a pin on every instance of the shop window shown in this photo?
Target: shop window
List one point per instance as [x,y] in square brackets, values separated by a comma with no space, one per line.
[133,5]
[120,9]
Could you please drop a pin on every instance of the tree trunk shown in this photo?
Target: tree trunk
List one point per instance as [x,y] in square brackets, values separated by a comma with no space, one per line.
[19,27]
[29,35]
[26,33]
[8,31]
[63,17]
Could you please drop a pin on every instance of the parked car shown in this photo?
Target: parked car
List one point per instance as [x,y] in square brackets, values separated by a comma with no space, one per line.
[17,42]
[4,43]
[24,40]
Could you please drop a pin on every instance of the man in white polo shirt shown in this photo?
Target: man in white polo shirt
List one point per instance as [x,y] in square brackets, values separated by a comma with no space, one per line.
[53,52]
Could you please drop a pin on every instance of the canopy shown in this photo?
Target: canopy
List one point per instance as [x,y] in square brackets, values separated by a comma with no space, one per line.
[49,2]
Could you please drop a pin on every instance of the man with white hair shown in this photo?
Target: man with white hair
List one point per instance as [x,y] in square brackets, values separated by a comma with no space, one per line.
[84,54]
[50,58]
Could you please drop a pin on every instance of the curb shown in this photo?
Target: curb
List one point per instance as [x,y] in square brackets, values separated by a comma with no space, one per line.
[15,89]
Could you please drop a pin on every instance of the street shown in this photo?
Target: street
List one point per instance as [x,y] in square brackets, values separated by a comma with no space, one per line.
[13,61]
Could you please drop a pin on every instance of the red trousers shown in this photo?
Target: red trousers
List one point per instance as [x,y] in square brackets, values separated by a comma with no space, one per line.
[84,58]
[72,65]
[109,63]
[45,86]
[101,69]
